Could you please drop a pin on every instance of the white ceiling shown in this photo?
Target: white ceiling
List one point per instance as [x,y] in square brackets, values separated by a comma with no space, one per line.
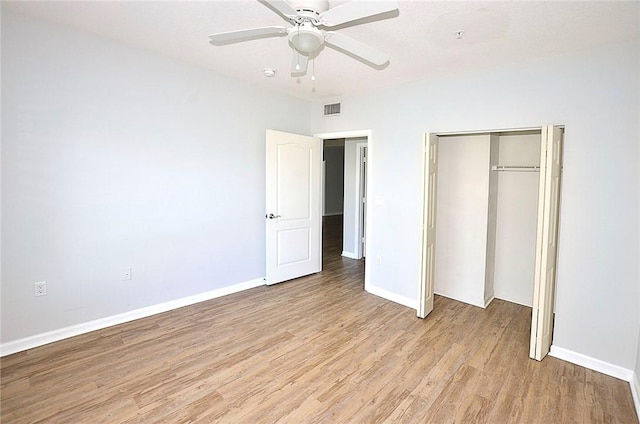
[420,38]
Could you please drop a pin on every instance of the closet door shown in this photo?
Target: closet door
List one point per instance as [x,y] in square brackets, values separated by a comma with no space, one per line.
[425,302]
[547,242]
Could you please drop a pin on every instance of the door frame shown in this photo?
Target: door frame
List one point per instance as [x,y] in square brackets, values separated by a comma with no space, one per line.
[361,198]
[422,275]
[369,136]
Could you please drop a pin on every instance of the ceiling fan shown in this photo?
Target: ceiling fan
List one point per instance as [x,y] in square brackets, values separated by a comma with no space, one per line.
[310,18]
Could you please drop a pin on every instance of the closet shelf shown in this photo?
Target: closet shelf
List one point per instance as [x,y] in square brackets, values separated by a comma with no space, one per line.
[516,168]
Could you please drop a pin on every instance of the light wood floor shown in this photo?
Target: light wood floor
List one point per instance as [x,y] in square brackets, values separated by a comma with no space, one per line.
[316,349]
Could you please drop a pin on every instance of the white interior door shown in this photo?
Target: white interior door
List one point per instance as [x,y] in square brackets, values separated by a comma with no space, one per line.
[547,242]
[293,219]
[425,302]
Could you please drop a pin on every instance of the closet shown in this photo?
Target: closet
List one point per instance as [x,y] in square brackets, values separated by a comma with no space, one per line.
[491,202]
[486,206]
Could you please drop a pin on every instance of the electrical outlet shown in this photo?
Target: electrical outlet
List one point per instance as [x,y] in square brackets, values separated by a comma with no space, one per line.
[41,288]
[127,274]
[379,260]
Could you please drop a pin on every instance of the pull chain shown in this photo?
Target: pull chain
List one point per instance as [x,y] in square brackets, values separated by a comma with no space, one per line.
[297,53]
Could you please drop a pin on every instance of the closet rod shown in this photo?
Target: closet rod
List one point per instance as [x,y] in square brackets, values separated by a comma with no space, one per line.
[517,168]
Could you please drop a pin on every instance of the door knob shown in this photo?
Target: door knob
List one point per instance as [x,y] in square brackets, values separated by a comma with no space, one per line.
[272,216]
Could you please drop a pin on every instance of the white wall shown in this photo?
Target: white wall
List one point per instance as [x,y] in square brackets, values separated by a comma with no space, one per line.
[334,180]
[637,367]
[113,157]
[461,213]
[517,219]
[492,220]
[595,94]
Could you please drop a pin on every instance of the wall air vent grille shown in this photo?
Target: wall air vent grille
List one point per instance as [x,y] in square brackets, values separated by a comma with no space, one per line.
[332,109]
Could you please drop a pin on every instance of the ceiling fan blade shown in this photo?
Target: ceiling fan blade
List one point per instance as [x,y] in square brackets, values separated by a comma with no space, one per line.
[299,61]
[282,7]
[356,48]
[247,34]
[355,10]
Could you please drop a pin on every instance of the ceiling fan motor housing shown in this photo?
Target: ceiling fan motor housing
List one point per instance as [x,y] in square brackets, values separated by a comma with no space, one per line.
[309,8]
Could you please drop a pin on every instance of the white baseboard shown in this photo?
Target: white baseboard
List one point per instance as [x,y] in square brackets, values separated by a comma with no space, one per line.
[86,327]
[591,363]
[349,255]
[488,302]
[528,305]
[635,392]
[473,302]
[603,367]
[405,301]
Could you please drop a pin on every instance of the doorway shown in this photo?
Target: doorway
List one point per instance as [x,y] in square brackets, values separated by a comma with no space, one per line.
[355,231]
[344,195]
[333,187]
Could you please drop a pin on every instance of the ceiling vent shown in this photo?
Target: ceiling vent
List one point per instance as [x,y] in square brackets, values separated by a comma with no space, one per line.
[332,109]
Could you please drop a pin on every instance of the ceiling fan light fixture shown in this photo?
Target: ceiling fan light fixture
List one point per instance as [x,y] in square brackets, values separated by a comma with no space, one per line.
[306,38]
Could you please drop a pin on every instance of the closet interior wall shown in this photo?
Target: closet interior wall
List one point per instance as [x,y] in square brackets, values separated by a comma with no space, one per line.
[487,216]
